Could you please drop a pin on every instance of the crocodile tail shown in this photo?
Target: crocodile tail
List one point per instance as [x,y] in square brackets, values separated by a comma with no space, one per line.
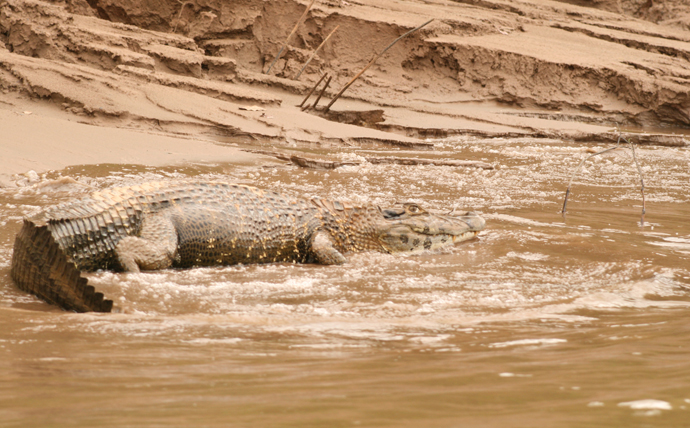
[40,267]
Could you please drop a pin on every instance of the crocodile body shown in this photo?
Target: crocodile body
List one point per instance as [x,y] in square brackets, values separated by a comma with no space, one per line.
[191,223]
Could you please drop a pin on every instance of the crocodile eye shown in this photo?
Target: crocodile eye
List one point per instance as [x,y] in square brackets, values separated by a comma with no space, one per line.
[411,208]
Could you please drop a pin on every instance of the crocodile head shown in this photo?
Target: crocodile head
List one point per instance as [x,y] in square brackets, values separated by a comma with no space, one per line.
[411,228]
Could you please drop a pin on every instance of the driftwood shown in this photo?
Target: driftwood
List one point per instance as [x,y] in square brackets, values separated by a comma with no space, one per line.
[618,146]
[435,162]
[372,63]
[314,163]
[305,162]
[355,117]
[319,163]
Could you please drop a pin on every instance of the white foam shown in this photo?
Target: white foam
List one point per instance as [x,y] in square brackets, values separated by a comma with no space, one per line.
[525,342]
[632,295]
[206,341]
[528,256]
[520,220]
[648,404]
[508,374]
[430,340]
[674,243]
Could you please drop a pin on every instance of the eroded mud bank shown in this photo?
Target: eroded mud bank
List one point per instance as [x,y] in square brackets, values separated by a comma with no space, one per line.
[483,68]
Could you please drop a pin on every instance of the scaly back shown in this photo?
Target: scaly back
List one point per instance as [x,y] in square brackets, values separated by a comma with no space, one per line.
[89,229]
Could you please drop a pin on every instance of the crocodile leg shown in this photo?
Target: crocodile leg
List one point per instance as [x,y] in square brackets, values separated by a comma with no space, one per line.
[154,248]
[324,251]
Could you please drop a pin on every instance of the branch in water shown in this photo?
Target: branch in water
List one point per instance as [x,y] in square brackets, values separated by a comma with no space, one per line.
[618,146]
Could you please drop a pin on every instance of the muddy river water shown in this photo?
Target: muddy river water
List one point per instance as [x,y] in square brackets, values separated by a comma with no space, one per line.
[541,321]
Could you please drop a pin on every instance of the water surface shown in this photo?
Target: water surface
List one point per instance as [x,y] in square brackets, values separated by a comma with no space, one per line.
[582,321]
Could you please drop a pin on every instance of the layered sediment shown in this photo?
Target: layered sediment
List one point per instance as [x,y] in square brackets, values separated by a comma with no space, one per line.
[482,67]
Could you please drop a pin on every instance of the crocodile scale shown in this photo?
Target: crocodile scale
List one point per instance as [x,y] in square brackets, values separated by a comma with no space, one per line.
[199,223]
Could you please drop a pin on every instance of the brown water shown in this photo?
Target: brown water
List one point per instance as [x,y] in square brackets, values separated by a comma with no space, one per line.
[539,322]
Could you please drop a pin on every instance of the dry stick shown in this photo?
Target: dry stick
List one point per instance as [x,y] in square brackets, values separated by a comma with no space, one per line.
[328,82]
[372,63]
[304,15]
[567,192]
[639,171]
[313,89]
[315,51]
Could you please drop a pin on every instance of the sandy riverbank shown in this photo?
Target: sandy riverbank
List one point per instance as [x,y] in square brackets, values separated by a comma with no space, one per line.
[115,83]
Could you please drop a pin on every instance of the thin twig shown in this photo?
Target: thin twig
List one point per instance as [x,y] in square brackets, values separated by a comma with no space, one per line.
[328,82]
[639,171]
[572,176]
[637,164]
[315,51]
[372,63]
[304,15]
[313,89]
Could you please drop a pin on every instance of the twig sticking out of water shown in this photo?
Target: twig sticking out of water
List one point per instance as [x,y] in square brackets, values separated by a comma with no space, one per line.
[639,171]
[280,52]
[315,51]
[372,63]
[618,146]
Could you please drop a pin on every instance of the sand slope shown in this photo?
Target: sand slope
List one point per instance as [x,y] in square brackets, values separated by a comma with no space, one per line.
[120,81]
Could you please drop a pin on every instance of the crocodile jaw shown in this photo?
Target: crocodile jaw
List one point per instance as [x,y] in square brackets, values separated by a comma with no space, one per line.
[465,236]
[428,232]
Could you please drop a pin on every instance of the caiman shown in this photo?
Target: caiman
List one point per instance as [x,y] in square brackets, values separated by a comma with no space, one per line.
[184,224]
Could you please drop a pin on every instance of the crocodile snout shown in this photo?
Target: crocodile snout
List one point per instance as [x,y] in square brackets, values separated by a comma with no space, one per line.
[473,220]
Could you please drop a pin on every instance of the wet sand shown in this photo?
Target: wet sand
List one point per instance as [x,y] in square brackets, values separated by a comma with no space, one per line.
[40,141]
[183,79]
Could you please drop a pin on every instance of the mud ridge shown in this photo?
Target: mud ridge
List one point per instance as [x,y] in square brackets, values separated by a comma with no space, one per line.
[487,68]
